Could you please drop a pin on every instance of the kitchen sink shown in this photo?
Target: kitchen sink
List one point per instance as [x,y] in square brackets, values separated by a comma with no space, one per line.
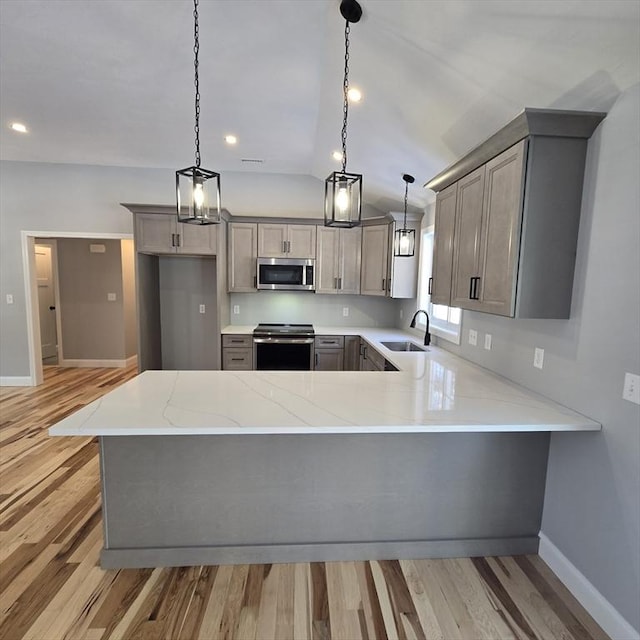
[403,346]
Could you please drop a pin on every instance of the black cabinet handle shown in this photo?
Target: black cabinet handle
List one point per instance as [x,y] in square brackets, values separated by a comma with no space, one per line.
[316,360]
[430,286]
[474,288]
[52,308]
[471,288]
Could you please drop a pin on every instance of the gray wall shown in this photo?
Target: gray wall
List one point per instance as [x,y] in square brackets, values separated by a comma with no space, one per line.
[592,503]
[92,327]
[129,298]
[57,197]
[303,306]
[189,338]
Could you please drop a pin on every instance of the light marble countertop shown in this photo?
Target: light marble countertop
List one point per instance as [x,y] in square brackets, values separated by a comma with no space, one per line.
[434,391]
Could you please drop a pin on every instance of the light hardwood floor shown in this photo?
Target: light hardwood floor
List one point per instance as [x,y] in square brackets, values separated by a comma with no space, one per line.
[51,585]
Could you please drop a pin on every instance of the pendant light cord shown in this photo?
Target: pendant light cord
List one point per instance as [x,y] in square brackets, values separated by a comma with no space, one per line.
[406,192]
[196,50]
[345,88]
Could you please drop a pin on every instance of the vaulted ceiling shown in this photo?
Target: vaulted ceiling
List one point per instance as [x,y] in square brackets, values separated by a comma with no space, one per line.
[110,82]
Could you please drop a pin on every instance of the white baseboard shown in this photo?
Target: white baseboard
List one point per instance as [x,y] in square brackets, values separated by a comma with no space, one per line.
[97,363]
[131,360]
[16,381]
[600,609]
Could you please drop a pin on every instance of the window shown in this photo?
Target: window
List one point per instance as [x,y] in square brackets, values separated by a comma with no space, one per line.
[444,321]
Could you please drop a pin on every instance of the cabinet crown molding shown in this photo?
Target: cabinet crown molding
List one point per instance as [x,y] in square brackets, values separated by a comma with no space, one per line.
[529,122]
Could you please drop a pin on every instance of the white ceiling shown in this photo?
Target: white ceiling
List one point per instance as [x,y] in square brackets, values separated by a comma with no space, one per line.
[110,82]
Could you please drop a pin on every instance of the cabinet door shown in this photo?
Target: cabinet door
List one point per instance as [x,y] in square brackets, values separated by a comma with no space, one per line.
[375,252]
[352,353]
[503,192]
[466,259]
[349,260]
[243,250]
[443,245]
[327,260]
[155,233]
[329,360]
[301,240]
[198,239]
[272,240]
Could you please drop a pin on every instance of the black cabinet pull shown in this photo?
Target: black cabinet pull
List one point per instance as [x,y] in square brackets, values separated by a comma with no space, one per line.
[430,286]
[471,288]
[474,289]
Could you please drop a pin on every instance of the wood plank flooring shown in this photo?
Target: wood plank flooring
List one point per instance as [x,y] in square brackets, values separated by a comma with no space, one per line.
[52,587]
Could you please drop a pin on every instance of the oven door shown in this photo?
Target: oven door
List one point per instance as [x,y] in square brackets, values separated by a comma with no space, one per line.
[283,354]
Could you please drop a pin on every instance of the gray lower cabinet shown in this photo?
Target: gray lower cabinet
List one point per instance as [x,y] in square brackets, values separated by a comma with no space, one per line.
[352,353]
[507,218]
[370,359]
[237,352]
[329,353]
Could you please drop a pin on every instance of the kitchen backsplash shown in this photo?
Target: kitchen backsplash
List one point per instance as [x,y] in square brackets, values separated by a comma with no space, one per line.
[304,307]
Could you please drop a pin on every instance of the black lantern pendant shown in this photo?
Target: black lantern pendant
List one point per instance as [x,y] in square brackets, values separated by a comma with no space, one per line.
[404,242]
[197,189]
[343,190]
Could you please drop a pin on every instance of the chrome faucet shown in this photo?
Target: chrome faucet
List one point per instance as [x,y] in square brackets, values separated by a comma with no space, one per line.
[427,335]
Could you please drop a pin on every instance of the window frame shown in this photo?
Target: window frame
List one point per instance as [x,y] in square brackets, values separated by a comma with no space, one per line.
[444,329]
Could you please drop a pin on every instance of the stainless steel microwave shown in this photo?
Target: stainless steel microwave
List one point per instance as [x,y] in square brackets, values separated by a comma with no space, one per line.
[286,274]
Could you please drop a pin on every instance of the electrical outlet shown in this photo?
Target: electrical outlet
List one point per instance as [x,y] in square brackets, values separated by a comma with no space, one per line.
[202,308]
[236,309]
[538,358]
[487,341]
[473,337]
[631,390]
[345,312]
[9,298]
[111,297]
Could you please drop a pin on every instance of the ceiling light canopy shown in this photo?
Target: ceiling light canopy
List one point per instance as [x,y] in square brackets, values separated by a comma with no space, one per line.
[197,189]
[343,190]
[404,242]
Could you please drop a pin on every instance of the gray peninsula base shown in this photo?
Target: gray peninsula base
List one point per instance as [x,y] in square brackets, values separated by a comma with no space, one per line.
[226,499]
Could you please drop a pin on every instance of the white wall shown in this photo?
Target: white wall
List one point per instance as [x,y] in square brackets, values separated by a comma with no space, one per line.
[592,502]
[56,197]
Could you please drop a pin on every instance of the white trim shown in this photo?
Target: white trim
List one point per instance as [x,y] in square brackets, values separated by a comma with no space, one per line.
[600,609]
[16,381]
[115,364]
[31,291]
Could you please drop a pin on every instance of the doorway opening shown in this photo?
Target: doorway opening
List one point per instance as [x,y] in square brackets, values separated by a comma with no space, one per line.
[43,347]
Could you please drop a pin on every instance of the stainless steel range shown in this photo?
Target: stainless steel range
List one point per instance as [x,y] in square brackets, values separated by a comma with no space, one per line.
[283,347]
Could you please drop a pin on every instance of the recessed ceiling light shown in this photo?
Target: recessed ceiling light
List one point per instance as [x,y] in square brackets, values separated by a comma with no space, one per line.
[337,155]
[355,95]
[230,139]
[19,127]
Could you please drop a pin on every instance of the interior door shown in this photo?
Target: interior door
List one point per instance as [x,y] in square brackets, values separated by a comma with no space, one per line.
[46,301]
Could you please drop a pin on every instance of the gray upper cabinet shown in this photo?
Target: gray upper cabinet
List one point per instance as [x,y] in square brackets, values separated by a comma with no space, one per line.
[242,254]
[338,257]
[374,279]
[159,233]
[286,240]
[514,206]
[440,285]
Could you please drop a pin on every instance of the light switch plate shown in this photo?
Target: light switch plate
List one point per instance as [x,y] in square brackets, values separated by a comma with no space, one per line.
[631,390]
[9,298]
[538,358]
[487,341]
[111,297]
[202,308]
[473,337]
[345,312]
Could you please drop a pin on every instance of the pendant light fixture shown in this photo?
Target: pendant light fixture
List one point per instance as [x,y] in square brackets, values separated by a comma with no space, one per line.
[342,190]
[197,189]
[404,242]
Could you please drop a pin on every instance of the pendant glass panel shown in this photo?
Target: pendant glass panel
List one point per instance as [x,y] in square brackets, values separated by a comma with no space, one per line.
[404,244]
[343,199]
[198,196]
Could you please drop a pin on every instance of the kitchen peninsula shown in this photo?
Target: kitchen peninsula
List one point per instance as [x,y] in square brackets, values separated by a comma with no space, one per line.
[441,458]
